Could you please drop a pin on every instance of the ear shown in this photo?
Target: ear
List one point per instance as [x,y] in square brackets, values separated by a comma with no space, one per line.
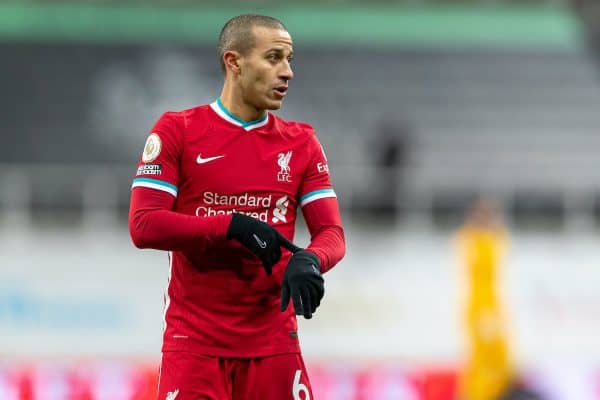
[231,58]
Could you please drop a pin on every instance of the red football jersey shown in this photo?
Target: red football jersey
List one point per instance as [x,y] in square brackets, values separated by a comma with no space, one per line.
[219,300]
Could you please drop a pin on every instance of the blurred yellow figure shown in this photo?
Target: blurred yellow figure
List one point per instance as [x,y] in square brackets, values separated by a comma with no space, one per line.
[482,241]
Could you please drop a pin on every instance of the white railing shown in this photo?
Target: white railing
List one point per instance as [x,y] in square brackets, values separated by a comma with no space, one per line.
[101,190]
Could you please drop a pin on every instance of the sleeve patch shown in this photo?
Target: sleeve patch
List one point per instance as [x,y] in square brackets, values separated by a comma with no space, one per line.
[151,148]
[149,169]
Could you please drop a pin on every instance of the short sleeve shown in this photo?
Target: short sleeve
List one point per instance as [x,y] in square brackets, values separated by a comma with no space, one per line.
[316,183]
[158,166]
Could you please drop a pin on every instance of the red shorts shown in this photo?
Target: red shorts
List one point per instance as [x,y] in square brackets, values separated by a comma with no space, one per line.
[189,376]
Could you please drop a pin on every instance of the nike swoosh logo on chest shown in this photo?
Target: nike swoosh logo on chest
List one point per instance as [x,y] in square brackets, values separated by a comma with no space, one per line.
[201,160]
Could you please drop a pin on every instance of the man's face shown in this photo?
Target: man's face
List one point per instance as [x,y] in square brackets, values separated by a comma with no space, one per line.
[265,71]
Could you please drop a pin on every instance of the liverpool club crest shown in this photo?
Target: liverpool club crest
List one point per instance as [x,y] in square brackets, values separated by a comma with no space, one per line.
[283,160]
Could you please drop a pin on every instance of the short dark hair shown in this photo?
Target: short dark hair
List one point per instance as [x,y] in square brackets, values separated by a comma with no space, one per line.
[237,33]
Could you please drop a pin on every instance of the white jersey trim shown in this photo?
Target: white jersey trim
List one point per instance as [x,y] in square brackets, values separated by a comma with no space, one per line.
[167,298]
[316,195]
[155,184]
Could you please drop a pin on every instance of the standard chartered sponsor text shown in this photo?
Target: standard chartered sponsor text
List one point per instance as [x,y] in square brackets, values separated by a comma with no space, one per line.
[244,200]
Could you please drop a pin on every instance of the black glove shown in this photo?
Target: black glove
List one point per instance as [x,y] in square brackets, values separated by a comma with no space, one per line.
[260,238]
[302,281]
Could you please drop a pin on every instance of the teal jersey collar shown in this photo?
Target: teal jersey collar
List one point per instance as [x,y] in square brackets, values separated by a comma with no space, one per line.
[224,113]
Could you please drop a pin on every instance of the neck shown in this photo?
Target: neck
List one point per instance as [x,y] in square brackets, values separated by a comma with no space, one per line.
[235,104]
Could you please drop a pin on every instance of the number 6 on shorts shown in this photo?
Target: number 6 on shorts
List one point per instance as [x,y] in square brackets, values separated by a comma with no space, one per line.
[299,387]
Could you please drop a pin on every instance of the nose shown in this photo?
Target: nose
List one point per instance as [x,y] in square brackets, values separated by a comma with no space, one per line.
[286,72]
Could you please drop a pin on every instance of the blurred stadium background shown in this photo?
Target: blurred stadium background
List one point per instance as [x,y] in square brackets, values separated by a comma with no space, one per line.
[421,106]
